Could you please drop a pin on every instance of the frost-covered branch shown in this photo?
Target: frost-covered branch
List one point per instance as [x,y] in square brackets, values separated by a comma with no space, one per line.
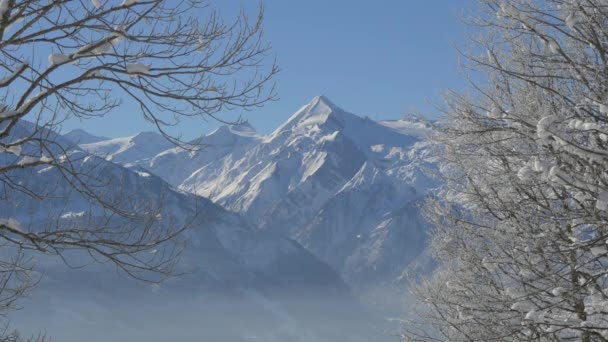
[522,223]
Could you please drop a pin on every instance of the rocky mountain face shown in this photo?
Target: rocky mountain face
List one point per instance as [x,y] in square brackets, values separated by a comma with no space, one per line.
[345,187]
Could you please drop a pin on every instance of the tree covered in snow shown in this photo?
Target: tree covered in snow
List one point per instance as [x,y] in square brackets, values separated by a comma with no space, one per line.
[67,59]
[522,221]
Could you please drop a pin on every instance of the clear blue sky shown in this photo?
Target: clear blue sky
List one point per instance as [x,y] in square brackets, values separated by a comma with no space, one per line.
[377,58]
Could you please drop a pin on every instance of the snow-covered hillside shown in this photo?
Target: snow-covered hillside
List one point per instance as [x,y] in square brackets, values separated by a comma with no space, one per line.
[346,187]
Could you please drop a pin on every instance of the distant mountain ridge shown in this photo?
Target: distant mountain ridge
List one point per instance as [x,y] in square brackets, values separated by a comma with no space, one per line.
[80,136]
[344,186]
[137,149]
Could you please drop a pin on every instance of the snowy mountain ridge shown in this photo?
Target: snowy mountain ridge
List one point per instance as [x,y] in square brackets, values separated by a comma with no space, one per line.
[346,187]
[80,136]
[135,149]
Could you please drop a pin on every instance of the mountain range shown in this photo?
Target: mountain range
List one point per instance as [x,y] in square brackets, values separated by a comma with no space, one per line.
[232,272]
[289,231]
[345,187]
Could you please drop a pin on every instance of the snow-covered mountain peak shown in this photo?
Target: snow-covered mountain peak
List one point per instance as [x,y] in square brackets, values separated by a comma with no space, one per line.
[132,149]
[147,137]
[80,136]
[321,105]
[321,121]
[223,136]
[228,134]
[176,164]
[124,143]
[244,128]
[319,112]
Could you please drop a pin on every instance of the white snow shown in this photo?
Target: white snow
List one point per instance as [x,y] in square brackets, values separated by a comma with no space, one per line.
[329,137]
[602,201]
[312,163]
[121,28]
[14,21]
[571,21]
[27,160]
[94,73]
[3,7]
[603,108]
[495,113]
[143,174]
[532,316]
[11,223]
[598,250]
[58,58]
[491,59]
[377,148]
[506,10]
[407,127]
[201,43]
[101,46]
[14,149]
[543,125]
[142,146]
[138,69]
[540,166]
[72,214]
[554,174]
[520,306]
[7,113]
[526,173]
[553,47]
[558,291]
[12,76]
[45,159]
